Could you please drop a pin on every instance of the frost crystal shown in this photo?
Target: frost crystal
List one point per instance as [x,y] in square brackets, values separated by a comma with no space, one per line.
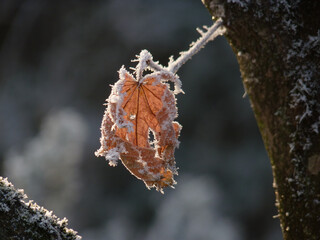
[210,34]
[138,106]
[242,3]
[29,215]
[304,90]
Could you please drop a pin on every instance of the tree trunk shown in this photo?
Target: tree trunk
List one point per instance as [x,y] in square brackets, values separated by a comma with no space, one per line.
[277,44]
[26,220]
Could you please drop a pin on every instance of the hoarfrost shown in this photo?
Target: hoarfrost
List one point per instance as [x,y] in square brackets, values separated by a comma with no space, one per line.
[113,156]
[29,213]
[151,161]
[116,97]
[143,59]
[210,34]
[242,3]
[304,95]
[4,207]
[304,91]
[315,126]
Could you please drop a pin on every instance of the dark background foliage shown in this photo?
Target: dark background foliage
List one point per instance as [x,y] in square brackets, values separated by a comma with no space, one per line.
[57,59]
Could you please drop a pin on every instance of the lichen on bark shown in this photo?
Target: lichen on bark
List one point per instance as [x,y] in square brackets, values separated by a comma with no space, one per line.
[277,44]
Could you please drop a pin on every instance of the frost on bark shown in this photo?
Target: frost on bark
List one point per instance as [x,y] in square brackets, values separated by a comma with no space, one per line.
[20,219]
[277,44]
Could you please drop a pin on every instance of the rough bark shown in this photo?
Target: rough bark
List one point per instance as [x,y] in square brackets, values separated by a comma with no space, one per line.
[277,44]
[26,220]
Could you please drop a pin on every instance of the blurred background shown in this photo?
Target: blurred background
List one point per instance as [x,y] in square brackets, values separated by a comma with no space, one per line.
[57,59]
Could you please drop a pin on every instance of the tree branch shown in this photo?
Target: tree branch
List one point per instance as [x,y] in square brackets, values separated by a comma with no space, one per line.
[26,220]
[277,44]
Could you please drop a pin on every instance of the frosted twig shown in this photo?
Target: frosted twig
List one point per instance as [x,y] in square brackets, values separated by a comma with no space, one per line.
[143,59]
[207,36]
[155,66]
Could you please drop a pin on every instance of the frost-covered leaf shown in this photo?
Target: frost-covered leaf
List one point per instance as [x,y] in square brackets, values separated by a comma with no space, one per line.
[138,127]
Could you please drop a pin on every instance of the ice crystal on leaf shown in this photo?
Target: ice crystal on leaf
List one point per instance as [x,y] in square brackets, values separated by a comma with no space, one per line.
[135,108]
[138,124]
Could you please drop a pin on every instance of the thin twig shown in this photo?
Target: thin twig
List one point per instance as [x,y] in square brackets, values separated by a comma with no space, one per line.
[207,36]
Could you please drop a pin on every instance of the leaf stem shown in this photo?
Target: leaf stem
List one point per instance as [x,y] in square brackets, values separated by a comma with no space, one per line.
[207,36]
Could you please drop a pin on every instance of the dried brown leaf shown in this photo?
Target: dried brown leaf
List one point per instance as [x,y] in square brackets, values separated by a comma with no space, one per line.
[138,127]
